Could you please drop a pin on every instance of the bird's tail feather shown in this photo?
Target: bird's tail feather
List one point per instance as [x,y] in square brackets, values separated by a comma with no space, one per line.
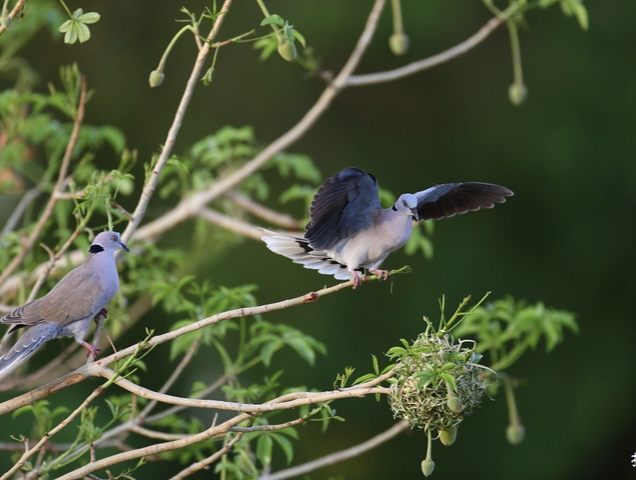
[28,343]
[300,251]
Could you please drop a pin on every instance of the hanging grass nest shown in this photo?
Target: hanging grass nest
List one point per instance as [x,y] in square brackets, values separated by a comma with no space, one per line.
[437,382]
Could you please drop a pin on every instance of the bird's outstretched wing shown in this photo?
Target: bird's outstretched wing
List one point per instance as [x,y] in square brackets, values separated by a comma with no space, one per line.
[448,199]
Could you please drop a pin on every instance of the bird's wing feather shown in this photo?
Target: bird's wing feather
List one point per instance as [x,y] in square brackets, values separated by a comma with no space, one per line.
[28,343]
[343,206]
[442,201]
[78,295]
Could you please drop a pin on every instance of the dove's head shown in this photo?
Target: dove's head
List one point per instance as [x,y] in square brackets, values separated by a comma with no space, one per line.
[107,241]
[407,205]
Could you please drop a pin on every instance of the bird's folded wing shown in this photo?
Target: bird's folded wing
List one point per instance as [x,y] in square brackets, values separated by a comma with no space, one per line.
[343,206]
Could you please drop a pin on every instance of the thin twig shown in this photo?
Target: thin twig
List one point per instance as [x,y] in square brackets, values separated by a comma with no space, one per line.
[232,224]
[200,465]
[340,456]
[16,9]
[195,75]
[51,263]
[282,220]
[155,434]
[426,63]
[48,210]
[19,210]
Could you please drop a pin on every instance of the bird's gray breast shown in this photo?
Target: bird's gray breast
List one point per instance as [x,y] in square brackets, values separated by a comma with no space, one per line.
[371,246]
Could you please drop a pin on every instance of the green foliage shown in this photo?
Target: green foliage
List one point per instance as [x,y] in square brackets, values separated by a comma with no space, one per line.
[506,328]
[43,415]
[76,28]
[434,381]
[267,338]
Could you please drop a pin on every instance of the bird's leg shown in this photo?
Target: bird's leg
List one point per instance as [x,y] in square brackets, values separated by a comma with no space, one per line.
[357,281]
[103,313]
[382,274]
[91,350]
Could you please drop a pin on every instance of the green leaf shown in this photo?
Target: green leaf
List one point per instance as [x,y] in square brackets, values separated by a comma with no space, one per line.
[298,36]
[284,443]
[450,380]
[268,350]
[264,446]
[273,19]
[396,352]
[70,36]
[90,17]
[83,32]
[376,368]
[303,349]
[364,378]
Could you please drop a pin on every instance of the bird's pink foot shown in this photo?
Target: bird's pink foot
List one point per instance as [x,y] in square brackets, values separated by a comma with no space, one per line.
[357,281]
[382,274]
[91,350]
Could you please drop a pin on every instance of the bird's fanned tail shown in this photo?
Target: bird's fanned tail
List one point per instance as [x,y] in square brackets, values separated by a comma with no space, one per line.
[299,251]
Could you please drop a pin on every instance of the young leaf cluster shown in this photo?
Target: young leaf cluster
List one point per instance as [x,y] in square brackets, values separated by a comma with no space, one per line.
[506,328]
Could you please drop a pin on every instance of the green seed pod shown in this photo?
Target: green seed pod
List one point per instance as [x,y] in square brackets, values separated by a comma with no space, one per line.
[515,433]
[447,437]
[287,50]
[517,93]
[427,467]
[453,402]
[156,78]
[399,43]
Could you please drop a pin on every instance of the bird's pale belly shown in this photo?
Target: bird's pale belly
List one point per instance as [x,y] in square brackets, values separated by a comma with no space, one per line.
[369,251]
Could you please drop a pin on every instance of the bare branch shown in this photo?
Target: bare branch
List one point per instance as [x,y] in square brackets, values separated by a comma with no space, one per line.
[19,210]
[19,5]
[232,224]
[291,400]
[195,467]
[420,65]
[276,218]
[99,365]
[340,456]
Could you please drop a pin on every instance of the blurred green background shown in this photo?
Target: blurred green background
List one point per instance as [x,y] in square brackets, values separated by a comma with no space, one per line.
[565,238]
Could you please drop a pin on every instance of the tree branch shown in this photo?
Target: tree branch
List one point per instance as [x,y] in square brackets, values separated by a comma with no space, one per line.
[340,456]
[418,66]
[195,467]
[92,369]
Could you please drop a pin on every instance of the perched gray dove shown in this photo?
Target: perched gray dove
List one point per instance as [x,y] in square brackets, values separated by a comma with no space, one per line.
[349,231]
[67,310]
